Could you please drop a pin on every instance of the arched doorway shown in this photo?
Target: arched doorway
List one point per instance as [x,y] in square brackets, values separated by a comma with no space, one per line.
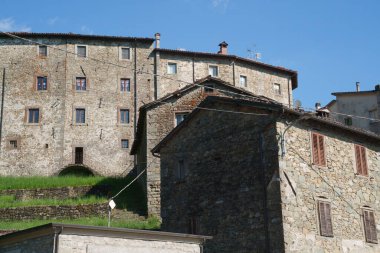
[77,170]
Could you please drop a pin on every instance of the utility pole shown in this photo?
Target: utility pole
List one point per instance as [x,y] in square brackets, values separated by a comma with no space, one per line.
[2,107]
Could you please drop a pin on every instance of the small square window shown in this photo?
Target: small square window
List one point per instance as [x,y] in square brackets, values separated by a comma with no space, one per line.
[81,83]
[124,116]
[42,51]
[13,144]
[348,121]
[125,53]
[172,68]
[41,83]
[213,70]
[82,51]
[80,115]
[243,81]
[277,88]
[179,117]
[209,88]
[124,143]
[33,115]
[125,84]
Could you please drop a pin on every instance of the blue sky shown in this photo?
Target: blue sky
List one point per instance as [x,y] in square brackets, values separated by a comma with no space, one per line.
[331,43]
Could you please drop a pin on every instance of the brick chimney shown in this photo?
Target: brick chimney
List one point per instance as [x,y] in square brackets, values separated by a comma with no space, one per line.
[223,48]
[158,37]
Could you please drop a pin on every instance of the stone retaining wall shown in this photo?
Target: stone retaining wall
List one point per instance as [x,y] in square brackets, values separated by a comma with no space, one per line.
[57,193]
[53,212]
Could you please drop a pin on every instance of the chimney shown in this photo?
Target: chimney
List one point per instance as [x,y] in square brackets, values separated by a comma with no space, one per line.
[158,36]
[377,87]
[223,48]
[317,106]
[357,86]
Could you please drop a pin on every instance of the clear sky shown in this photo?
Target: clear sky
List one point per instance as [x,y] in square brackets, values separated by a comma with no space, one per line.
[331,43]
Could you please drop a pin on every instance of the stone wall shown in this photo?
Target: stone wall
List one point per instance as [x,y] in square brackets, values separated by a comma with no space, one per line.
[226,189]
[337,183]
[54,212]
[57,193]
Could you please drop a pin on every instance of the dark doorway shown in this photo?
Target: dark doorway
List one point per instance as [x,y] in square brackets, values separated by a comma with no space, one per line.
[79,155]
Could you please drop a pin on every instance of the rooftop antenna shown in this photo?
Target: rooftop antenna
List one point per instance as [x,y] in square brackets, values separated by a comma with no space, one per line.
[253,54]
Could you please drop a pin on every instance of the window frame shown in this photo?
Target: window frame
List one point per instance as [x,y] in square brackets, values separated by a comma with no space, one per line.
[314,162]
[179,113]
[75,116]
[175,68]
[193,225]
[276,91]
[120,109]
[38,51]
[209,88]
[361,150]
[121,143]
[121,53]
[120,85]
[348,121]
[180,171]
[75,84]
[27,115]
[217,70]
[36,83]
[77,53]
[245,81]
[369,238]
[322,231]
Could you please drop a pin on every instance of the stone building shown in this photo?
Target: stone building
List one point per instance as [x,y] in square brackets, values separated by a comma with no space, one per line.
[158,118]
[64,238]
[264,178]
[72,100]
[357,108]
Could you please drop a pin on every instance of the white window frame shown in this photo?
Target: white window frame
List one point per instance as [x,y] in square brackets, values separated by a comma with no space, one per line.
[38,51]
[217,70]
[76,51]
[245,81]
[121,53]
[276,91]
[175,69]
[179,113]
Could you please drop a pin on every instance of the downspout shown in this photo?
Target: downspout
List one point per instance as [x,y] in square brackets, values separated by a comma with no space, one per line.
[289,99]
[2,107]
[135,92]
[193,70]
[233,72]
[57,232]
[265,197]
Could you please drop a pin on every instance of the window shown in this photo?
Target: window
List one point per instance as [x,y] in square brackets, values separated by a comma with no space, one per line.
[348,121]
[124,116]
[80,115]
[180,171]
[318,148]
[172,68]
[81,83]
[42,51]
[13,144]
[361,160]
[213,70]
[277,88]
[33,115]
[78,155]
[209,88]
[124,143]
[193,225]
[82,51]
[125,53]
[125,84]
[179,117]
[243,81]
[41,83]
[324,213]
[369,226]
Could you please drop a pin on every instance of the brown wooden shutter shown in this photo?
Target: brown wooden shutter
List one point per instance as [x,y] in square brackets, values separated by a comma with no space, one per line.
[369,226]
[364,161]
[321,148]
[325,224]
[361,160]
[358,160]
[315,148]
[319,157]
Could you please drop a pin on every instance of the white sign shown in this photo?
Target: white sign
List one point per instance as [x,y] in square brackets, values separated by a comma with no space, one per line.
[112,204]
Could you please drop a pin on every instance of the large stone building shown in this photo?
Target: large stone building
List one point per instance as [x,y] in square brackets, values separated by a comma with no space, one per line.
[357,108]
[70,99]
[260,177]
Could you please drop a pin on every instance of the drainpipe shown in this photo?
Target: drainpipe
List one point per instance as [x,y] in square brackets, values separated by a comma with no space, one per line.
[265,199]
[193,70]
[57,232]
[135,91]
[2,107]
[289,99]
[233,72]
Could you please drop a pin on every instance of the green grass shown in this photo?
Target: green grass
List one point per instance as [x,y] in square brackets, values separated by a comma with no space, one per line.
[47,182]
[10,201]
[151,223]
